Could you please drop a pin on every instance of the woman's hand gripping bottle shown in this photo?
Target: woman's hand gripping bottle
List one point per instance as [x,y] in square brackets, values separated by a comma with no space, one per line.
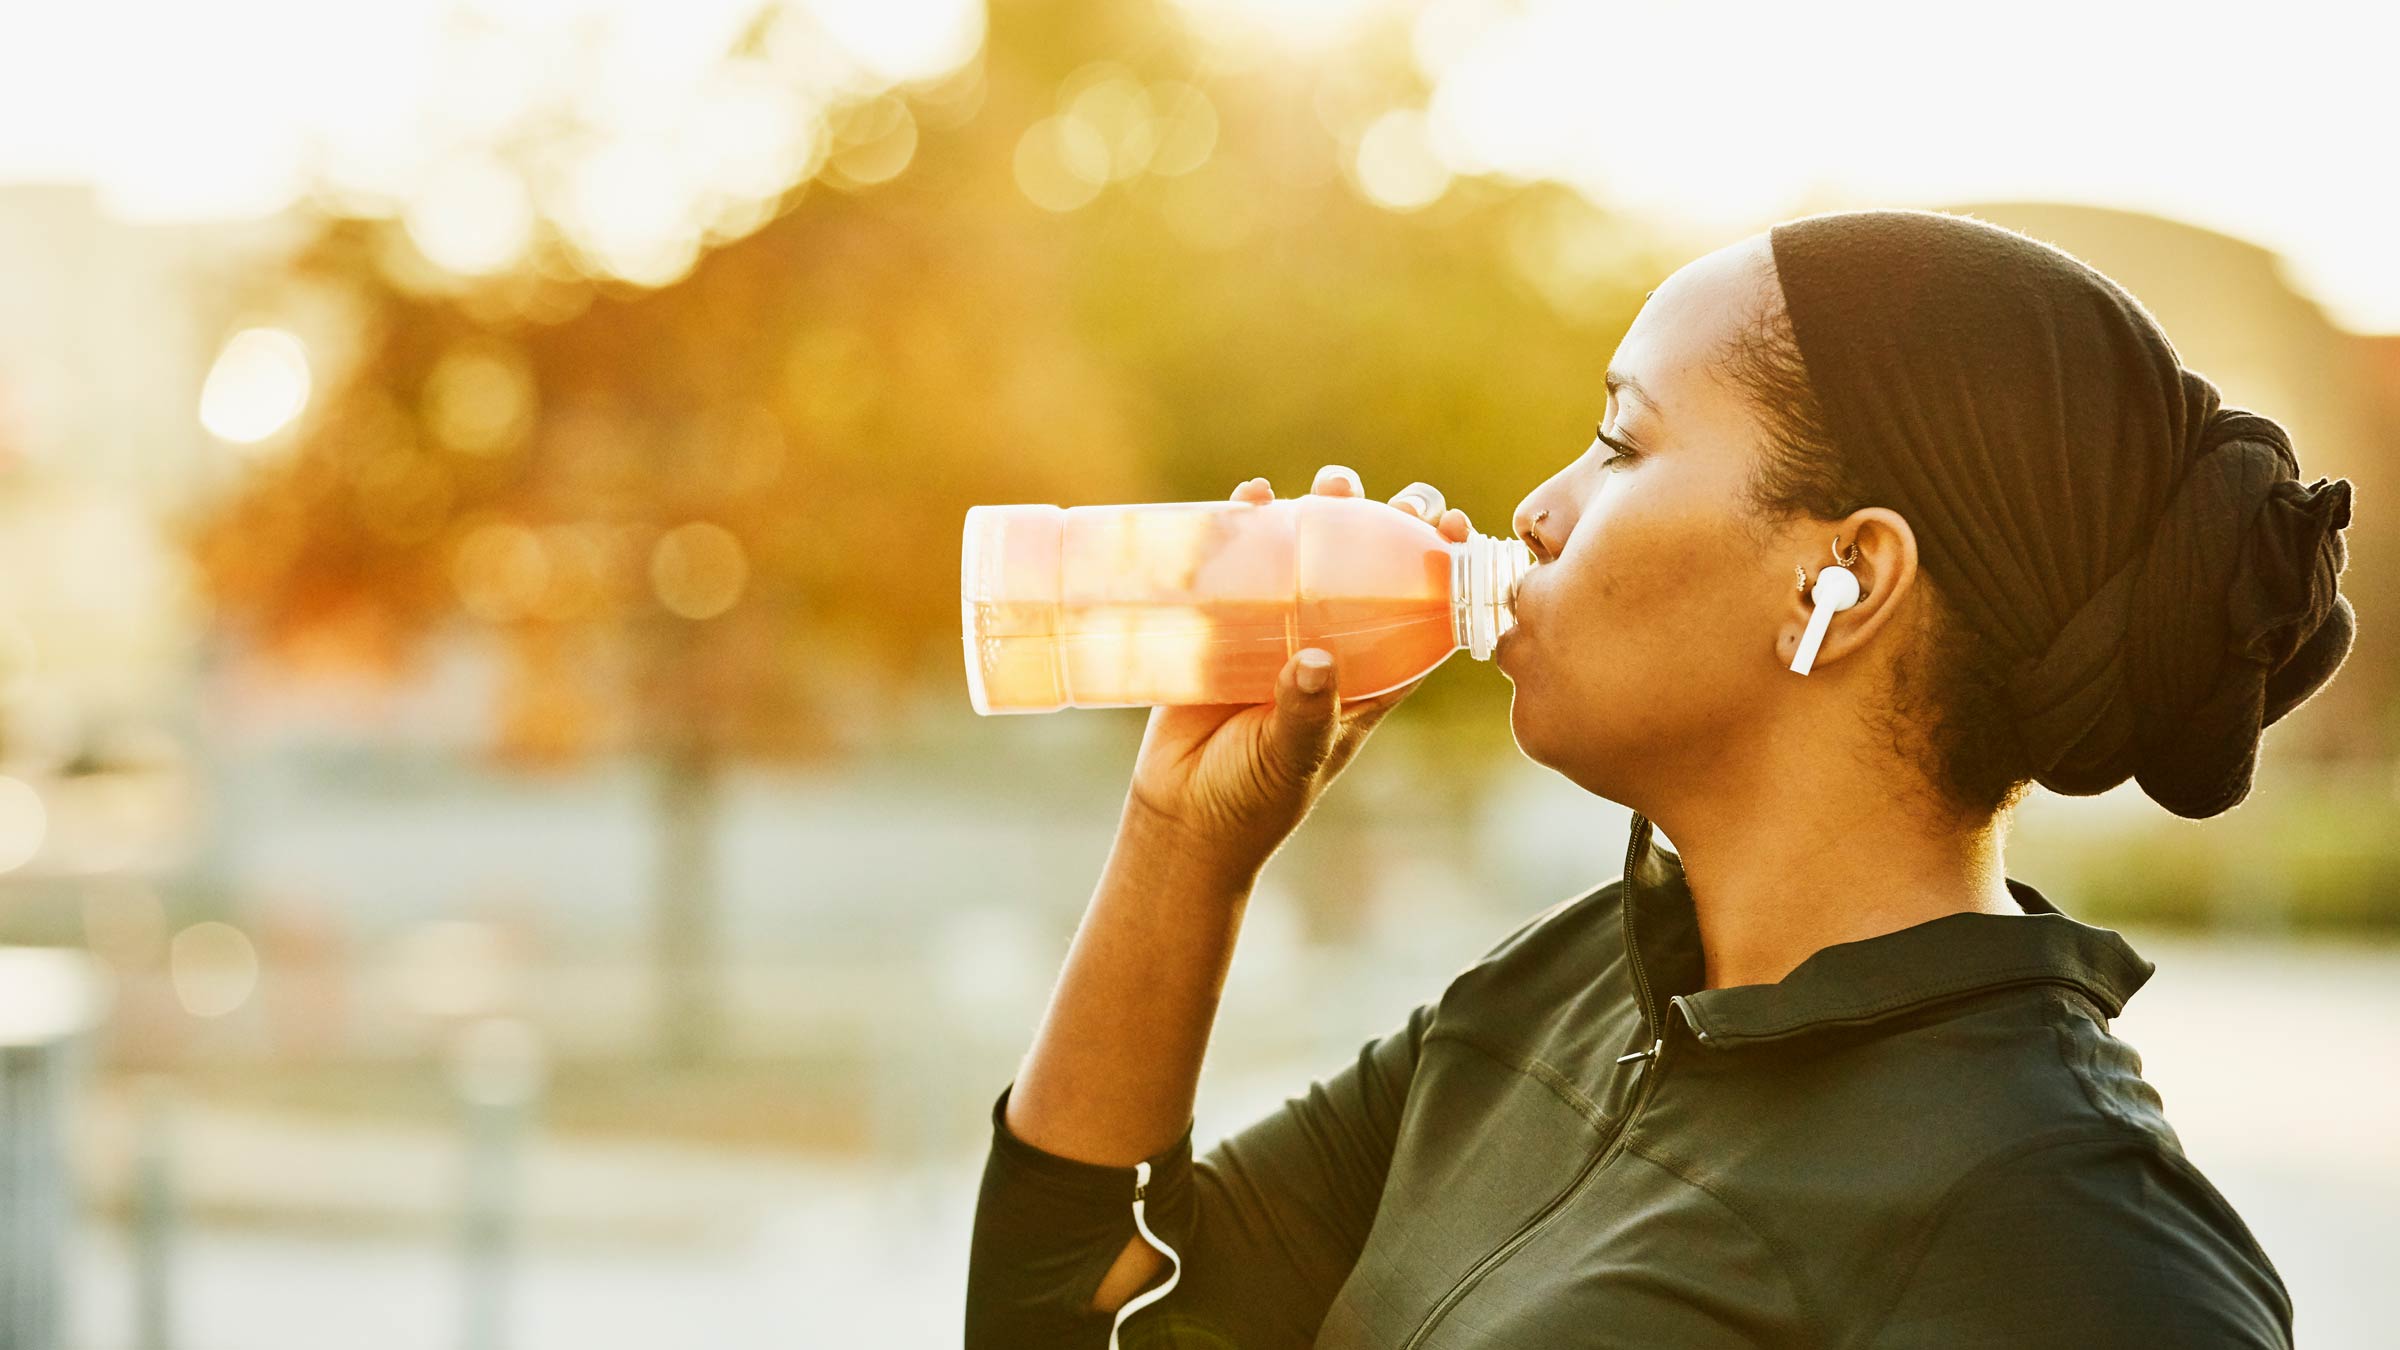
[1272,636]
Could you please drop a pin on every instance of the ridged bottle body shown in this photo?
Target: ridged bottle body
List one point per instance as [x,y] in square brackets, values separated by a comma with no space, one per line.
[1203,602]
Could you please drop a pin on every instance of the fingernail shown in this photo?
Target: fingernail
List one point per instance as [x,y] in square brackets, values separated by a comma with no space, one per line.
[1316,671]
[1349,475]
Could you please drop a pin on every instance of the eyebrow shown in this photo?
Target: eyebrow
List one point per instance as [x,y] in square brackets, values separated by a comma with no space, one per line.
[1620,384]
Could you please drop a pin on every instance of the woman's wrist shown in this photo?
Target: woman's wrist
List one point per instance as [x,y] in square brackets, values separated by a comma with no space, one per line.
[1160,842]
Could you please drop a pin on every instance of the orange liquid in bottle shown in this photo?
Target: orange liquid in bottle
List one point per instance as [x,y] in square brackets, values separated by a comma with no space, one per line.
[1203,602]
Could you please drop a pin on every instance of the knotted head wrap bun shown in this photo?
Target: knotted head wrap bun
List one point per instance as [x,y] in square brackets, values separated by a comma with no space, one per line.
[2165,583]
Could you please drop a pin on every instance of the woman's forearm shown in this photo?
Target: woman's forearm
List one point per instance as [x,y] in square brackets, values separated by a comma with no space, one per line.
[1114,1066]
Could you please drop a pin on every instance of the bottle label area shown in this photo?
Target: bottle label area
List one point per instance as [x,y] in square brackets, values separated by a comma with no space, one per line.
[1198,602]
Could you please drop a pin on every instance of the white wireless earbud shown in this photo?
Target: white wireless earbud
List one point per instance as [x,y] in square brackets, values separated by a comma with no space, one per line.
[1836,590]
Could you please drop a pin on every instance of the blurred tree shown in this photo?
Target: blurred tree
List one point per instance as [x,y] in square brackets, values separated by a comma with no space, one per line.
[703,521]
[718,520]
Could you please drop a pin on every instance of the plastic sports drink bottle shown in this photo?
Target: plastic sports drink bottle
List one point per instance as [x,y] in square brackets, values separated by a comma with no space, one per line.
[1202,602]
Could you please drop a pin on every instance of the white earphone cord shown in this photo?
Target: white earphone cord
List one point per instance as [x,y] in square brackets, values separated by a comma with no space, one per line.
[1141,1191]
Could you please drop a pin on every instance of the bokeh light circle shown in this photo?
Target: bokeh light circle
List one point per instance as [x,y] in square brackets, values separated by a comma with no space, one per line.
[1397,168]
[698,570]
[213,967]
[258,386]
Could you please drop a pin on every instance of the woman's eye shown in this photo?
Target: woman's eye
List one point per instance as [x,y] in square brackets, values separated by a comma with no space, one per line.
[1601,438]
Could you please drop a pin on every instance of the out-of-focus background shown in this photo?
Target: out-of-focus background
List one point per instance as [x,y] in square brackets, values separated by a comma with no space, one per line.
[494,846]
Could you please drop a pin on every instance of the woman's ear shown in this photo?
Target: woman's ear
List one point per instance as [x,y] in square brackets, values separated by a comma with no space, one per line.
[1881,552]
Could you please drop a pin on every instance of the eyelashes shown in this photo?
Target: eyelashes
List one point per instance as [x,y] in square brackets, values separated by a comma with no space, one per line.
[1623,450]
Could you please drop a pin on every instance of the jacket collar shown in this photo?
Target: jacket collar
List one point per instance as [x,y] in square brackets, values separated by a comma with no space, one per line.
[1852,984]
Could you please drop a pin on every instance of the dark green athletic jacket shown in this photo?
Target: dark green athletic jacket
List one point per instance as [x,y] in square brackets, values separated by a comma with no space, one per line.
[1925,1139]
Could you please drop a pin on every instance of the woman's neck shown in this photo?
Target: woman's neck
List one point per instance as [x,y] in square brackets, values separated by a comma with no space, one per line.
[1770,898]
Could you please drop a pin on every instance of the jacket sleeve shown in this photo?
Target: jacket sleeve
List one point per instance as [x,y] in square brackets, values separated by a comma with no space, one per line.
[2100,1242]
[1267,1223]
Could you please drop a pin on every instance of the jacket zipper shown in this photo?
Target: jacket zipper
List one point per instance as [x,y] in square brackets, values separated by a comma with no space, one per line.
[1648,1059]
[1634,847]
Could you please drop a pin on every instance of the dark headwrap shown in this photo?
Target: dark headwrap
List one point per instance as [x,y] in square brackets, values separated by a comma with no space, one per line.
[2165,583]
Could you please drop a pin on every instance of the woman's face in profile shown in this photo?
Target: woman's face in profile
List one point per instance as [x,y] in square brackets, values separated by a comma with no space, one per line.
[1646,634]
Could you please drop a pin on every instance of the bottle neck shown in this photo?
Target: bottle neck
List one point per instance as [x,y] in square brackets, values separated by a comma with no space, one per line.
[1484,572]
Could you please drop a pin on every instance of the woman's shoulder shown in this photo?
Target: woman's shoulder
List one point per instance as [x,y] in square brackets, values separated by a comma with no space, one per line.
[2111,1226]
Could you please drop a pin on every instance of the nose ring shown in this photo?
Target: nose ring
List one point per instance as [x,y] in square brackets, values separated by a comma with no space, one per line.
[1527,533]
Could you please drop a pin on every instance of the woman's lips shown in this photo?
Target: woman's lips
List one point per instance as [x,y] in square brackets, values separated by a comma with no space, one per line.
[1505,638]
[1517,618]
[1516,606]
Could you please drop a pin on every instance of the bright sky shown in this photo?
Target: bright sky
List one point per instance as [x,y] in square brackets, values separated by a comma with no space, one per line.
[2271,122]
[2266,122]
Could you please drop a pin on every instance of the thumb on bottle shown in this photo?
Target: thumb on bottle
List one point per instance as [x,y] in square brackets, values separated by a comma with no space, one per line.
[1302,732]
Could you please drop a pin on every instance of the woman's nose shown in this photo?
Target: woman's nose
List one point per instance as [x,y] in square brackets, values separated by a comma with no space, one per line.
[1531,522]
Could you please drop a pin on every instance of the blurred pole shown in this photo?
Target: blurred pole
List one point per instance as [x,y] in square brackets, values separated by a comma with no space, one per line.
[154,1219]
[496,1069]
[689,991]
[491,1180]
[48,998]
